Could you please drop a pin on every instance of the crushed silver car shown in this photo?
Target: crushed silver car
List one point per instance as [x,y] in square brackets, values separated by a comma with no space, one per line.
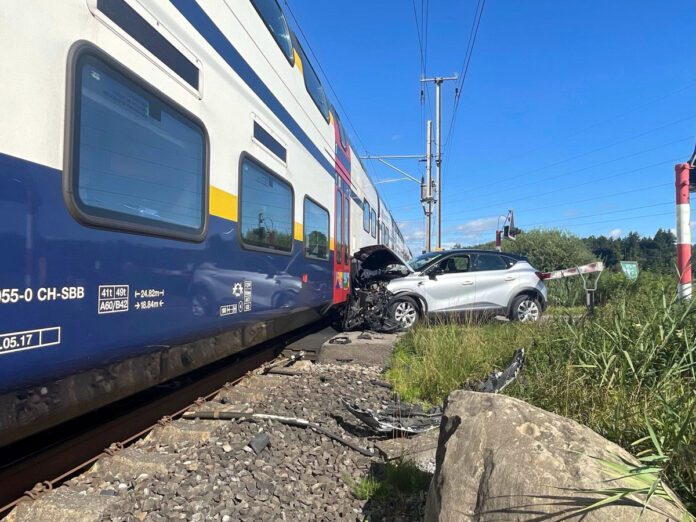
[396,294]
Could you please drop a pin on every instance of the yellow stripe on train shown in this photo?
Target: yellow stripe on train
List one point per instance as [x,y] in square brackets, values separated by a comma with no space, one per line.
[223,204]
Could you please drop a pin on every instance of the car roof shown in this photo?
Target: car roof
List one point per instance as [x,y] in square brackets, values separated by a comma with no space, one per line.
[519,257]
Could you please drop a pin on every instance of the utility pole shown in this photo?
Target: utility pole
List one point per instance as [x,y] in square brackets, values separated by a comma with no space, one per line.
[427,196]
[438,158]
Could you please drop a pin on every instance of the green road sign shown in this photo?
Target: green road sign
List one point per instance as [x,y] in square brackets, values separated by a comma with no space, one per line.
[630,269]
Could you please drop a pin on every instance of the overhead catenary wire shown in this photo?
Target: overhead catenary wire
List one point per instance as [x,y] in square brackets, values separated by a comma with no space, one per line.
[464,70]
[328,81]
[381,194]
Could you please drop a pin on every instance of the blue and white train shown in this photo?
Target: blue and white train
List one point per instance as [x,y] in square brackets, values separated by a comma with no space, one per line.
[175,186]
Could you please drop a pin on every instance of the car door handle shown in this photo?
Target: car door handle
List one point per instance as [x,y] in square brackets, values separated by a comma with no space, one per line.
[510,278]
[467,283]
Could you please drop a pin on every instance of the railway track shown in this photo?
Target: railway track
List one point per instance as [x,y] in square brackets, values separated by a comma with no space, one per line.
[44,461]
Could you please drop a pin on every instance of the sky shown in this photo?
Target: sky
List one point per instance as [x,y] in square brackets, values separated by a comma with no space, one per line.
[573,113]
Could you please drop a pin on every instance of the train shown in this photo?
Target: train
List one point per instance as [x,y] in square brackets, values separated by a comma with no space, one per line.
[175,187]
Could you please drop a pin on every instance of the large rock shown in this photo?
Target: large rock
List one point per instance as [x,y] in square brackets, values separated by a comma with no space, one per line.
[500,458]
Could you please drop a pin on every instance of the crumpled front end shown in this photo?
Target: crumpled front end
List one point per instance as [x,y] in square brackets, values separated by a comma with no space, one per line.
[367,307]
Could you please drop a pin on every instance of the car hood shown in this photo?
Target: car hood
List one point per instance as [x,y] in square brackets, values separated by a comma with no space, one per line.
[370,264]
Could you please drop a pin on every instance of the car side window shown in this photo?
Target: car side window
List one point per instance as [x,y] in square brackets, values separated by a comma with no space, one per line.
[486,262]
[455,264]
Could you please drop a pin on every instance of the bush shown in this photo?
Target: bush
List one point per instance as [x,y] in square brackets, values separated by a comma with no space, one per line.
[550,249]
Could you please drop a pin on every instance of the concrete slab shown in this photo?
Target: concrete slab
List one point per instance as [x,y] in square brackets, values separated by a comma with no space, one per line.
[182,431]
[131,462]
[310,344]
[367,348]
[63,505]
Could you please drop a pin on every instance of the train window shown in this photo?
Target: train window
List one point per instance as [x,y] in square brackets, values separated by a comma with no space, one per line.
[341,132]
[272,15]
[316,230]
[373,223]
[136,162]
[313,85]
[266,215]
[366,216]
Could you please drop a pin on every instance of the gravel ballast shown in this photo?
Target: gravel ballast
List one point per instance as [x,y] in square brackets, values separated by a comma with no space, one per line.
[207,470]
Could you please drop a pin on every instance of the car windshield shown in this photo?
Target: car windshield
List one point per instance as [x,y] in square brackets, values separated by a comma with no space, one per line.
[417,263]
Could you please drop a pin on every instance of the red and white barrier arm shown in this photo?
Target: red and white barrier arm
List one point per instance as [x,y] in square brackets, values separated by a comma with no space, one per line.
[683,230]
[575,271]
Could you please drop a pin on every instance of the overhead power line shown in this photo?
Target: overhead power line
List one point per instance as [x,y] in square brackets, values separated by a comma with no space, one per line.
[508,202]
[473,33]
[572,225]
[524,175]
[611,119]
[328,81]
[598,149]
[576,201]
[535,183]
[490,228]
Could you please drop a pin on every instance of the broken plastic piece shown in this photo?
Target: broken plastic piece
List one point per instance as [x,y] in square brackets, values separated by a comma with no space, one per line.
[340,339]
[387,423]
[498,380]
[411,419]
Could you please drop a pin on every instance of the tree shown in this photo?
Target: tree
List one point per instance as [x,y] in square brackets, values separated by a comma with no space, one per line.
[550,249]
[606,249]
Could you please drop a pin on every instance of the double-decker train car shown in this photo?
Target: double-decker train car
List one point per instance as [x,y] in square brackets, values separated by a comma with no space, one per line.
[175,187]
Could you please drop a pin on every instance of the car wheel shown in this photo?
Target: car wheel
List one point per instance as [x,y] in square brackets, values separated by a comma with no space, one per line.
[405,312]
[525,309]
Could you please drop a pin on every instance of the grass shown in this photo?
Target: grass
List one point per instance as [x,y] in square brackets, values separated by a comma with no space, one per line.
[393,481]
[626,372]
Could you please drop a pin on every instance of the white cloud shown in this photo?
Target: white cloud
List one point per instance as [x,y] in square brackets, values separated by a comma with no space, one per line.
[615,233]
[467,233]
[477,227]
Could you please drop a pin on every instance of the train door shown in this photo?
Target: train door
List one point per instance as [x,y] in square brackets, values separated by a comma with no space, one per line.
[342,227]
[341,249]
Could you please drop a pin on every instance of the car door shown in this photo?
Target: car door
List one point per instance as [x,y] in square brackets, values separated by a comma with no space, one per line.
[451,286]
[495,283]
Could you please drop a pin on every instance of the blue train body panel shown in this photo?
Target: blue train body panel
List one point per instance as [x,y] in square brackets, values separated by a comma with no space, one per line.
[76,298]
